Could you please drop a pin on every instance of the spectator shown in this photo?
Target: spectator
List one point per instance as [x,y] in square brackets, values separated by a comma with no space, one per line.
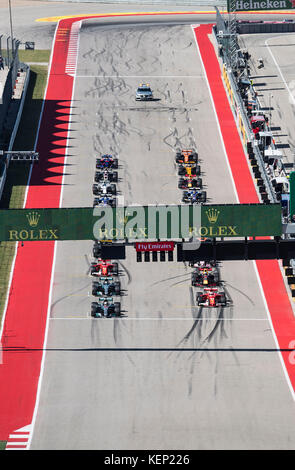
[1,62]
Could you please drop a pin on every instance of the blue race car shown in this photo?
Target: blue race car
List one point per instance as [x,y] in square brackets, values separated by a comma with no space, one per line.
[194,196]
[104,201]
[106,161]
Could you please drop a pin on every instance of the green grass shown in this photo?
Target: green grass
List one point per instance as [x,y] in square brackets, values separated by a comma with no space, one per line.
[17,175]
[34,56]
[2,445]
[38,55]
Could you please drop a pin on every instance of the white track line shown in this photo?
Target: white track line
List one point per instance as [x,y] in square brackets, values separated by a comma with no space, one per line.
[53,267]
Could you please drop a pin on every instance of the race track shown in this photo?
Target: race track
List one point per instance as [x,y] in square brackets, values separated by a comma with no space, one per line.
[168,374]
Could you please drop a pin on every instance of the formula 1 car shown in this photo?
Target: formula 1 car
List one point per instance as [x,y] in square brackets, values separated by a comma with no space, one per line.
[144,92]
[104,201]
[190,182]
[106,161]
[106,176]
[103,267]
[211,297]
[186,156]
[104,188]
[194,196]
[105,308]
[97,246]
[205,277]
[189,169]
[106,286]
[203,264]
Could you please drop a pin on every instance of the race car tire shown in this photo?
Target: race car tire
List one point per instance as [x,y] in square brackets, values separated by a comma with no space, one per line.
[114,203]
[117,307]
[180,183]
[199,183]
[95,189]
[199,298]
[94,306]
[117,288]
[222,300]
[194,278]
[113,189]
[95,286]
[115,176]
[203,196]
[96,251]
[181,171]
[97,176]
[92,270]
[115,269]
[115,164]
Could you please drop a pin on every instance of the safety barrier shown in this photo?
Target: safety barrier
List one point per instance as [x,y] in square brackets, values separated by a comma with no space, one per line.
[15,127]
[255,27]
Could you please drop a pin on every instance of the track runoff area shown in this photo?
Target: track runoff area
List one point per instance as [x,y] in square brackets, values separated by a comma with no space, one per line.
[220,379]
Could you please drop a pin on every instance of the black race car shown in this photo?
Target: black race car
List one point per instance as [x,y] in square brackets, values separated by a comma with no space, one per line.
[105,308]
[190,182]
[106,285]
[97,246]
[106,176]
[106,161]
[205,277]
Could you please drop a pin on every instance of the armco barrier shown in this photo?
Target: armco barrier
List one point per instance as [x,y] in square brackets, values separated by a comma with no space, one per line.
[15,127]
[244,127]
[265,27]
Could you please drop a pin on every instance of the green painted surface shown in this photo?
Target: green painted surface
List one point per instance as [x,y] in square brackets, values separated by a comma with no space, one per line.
[256,5]
[141,222]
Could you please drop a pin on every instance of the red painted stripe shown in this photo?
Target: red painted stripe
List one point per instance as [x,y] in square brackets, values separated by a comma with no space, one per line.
[274,289]
[15,440]
[26,315]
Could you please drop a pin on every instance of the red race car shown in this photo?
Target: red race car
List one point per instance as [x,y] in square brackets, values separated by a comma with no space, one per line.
[211,298]
[104,267]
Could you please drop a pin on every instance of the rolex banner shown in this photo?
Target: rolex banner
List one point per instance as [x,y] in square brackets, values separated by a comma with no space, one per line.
[132,223]
[253,5]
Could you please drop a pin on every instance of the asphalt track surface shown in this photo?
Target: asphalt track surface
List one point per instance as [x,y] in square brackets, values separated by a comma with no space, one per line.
[26,12]
[168,375]
[11,338]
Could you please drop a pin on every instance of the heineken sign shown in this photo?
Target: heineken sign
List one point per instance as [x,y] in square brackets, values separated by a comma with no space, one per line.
[141,223]
[253,5]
